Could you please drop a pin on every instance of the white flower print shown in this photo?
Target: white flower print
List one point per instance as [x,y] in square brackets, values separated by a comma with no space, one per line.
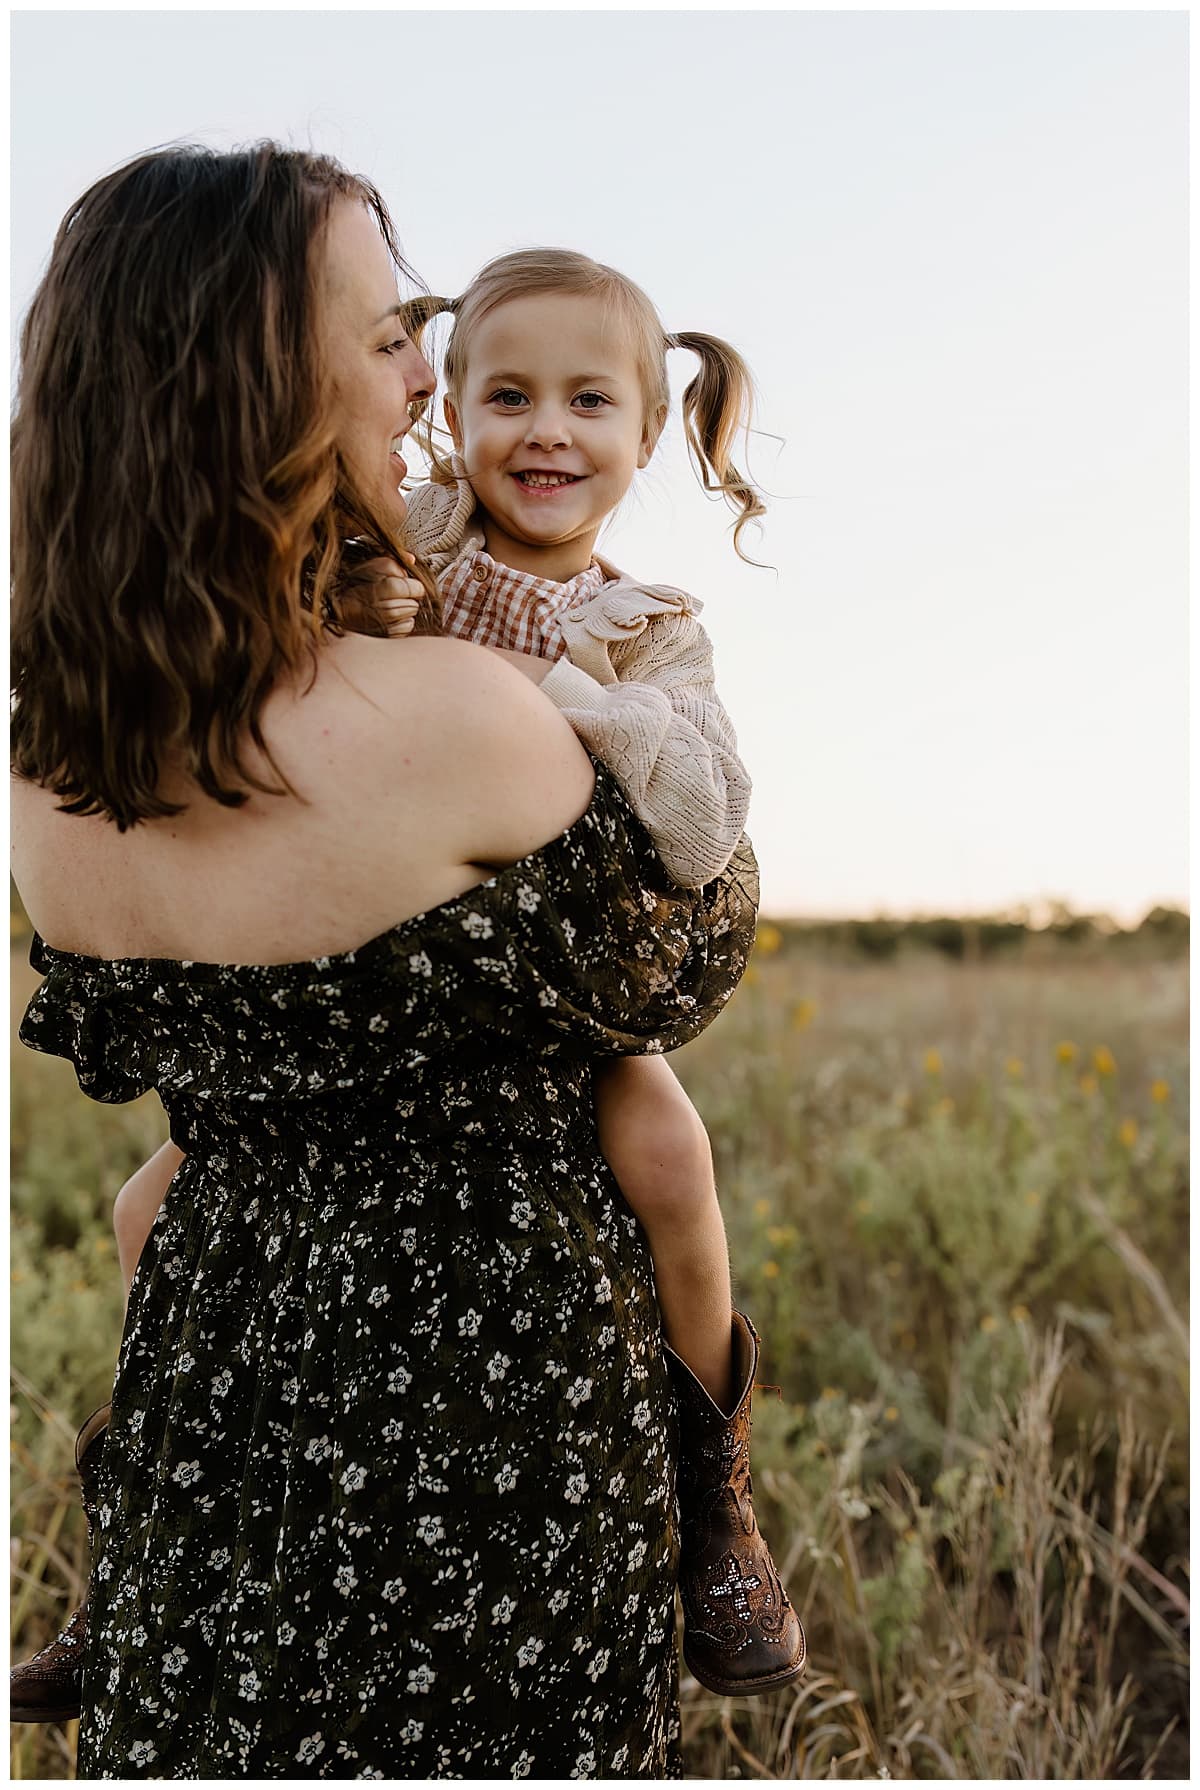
[521,1765]
[354,1478]
[579,1392]
[528,899]
[345,1579]
[598,1664]
[142,1752]
[616,1485]
[309,1749]
[186,1473]
[641,1414]
[174,1662]
[575,1488]
[547,997]
[430,1529]
[394,1590]
[498,1366]
[378,1296]
[419,965]
[249,1685]
[319,1448]
[421,1678]
[521,1321]
[468,1324]
[503,1612]
[506,1479]
[585,1766]
[521,1215]
[477,926]
[558,1600]
[528,1651]
[399,1380]
[411,1731]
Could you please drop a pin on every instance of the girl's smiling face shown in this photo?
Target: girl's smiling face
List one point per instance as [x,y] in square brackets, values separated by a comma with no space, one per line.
[550,422]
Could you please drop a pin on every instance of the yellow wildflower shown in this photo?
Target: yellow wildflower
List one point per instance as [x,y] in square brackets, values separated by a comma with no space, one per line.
[768,939]
[1160,1092]
[1127,1132]
[750,976]
[1015,1068]
[891,1414]
[828,1392]
[944,1107]
[770,1270]
[1103,1061]
[933,1062]
[988,1323]
[1033,1199]
[862,1207]
[803,1014]
[1088,1085]
[1019,1314]
[761,1208]
[780,1235]
[1066,1051]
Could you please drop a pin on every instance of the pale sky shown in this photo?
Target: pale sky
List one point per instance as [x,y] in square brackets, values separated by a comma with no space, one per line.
[952,247]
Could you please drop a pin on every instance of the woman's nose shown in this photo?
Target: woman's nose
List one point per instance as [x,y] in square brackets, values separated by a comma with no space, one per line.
[420,378]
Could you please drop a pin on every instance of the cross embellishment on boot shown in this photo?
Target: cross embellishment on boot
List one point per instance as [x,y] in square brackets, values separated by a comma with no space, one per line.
[734,1584]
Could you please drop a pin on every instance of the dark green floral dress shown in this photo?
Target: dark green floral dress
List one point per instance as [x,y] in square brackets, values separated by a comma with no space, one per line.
[389,1486]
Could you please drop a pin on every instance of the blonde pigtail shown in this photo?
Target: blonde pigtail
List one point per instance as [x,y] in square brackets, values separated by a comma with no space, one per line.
[416,315]
[718,406]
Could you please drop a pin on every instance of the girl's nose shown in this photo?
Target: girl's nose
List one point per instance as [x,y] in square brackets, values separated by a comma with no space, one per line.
[548,428]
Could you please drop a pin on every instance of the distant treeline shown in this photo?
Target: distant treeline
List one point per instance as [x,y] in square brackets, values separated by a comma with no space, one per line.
[1164,931]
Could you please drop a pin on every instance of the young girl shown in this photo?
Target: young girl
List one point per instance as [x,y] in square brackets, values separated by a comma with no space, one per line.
[556,394]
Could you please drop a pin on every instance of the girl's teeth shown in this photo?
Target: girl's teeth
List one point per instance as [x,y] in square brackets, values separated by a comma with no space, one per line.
[546,478]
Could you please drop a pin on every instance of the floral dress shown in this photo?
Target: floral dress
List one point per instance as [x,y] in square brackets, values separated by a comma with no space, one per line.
[388,1490]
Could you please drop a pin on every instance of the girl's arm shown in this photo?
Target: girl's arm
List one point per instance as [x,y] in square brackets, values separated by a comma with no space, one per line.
[663,732]
[136,1206]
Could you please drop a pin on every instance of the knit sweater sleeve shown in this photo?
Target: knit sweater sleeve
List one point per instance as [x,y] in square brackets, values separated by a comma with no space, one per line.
[667,738]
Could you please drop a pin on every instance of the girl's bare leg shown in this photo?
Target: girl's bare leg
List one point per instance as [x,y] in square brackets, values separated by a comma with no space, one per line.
[136,1206]
[657,1147]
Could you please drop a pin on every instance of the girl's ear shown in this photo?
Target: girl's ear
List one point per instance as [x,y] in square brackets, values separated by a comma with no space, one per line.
[650,434]
[452,423]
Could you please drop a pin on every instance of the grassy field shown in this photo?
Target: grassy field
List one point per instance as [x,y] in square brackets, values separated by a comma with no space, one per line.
[957,1204]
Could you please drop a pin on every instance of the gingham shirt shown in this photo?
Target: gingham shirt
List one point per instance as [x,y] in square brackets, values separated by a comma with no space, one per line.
[496,606]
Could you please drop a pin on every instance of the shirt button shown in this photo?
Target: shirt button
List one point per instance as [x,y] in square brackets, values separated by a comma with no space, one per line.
[480,573]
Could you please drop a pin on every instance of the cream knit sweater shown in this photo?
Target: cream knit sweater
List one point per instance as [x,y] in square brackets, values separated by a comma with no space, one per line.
[637,687]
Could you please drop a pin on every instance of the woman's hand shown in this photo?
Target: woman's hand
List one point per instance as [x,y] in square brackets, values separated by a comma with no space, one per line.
[380,591]
[531,667]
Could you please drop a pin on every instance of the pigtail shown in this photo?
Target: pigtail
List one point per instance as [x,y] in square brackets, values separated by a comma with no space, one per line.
[416,315]
[717,407]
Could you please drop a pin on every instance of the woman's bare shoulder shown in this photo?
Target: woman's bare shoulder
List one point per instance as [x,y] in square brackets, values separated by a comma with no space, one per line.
[479,738]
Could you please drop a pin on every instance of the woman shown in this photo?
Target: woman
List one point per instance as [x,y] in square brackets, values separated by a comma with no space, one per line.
[388,1485]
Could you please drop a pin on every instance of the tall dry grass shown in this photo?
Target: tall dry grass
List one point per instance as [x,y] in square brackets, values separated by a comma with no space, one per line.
[957,1204]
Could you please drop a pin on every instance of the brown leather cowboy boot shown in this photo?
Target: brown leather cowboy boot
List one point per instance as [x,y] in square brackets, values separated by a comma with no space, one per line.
[741,1636]
[46,1688]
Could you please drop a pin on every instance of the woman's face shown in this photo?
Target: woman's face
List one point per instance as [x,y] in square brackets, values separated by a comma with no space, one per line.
[376,371]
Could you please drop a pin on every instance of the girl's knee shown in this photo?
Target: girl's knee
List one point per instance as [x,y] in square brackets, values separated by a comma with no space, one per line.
[659,1151]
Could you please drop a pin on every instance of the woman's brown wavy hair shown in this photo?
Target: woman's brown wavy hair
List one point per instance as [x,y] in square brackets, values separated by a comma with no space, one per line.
[181,520]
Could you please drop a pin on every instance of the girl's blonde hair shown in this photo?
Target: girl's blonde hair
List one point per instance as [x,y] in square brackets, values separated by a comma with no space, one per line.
[717,404]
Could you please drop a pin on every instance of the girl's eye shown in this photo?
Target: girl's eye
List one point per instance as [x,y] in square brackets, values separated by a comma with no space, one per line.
[598,397]
[395,347]
[502,398]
